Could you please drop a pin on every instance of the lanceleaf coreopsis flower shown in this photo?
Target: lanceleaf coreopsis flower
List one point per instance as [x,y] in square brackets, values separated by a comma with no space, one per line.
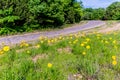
[114,62]
[114,57]
[84,53]
[49,65]
[37,46]
[88,47]
[82,44]
[1,52]
[23,44]
[6,48]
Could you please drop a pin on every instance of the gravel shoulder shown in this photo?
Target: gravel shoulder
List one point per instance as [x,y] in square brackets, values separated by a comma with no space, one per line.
[15,39]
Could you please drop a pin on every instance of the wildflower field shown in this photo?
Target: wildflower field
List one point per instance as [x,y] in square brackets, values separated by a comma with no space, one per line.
[80,56]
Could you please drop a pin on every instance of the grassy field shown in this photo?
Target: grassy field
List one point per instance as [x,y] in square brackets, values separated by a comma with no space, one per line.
[80,56]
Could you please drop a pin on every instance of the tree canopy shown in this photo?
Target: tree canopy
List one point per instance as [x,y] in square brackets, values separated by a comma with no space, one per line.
[93,14]
[27,15]
[23,15]
[113,11]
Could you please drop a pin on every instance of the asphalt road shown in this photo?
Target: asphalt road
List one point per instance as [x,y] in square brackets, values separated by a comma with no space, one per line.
[15,39]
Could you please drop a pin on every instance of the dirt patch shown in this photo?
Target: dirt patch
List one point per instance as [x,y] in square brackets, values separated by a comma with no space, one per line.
[66,50]
[75,77]
[40,56]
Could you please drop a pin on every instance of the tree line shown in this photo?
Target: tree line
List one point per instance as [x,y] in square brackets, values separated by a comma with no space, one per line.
[112,12]
[26,15]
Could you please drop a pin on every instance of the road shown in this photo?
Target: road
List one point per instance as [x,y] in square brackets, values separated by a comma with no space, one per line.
[15,39]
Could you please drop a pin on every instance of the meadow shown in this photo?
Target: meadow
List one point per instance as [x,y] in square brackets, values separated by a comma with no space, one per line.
[80,56]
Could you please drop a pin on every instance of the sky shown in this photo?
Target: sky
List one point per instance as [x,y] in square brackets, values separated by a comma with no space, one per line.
[97,3]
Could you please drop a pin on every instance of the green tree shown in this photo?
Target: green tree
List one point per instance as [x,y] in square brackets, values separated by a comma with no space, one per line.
[113,11]
[87,14]
[73,11]
[47,12]
[13,13]
[24,15]
[98,14]
[93,14]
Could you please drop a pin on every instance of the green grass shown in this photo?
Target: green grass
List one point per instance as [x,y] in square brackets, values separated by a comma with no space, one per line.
[67,58]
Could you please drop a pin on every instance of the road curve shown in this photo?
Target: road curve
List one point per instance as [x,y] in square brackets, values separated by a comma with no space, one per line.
[15,39]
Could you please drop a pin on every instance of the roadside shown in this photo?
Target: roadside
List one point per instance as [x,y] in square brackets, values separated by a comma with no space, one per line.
[48,29]
[110,26]
[10,40]
[116,27]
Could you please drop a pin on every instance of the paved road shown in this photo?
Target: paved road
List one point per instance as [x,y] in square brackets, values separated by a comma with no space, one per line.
[9,40]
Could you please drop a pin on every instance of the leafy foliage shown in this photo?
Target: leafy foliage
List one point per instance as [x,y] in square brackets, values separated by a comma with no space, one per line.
[24,15]
[27,15]
[113,11]
[93,14]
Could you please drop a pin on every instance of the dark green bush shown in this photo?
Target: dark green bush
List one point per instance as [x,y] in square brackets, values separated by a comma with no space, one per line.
[27,15]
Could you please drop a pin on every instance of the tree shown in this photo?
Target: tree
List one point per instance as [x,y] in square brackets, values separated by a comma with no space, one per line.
[23,15]
[73,11]
[98,14]
[87,14]
[14,13]
[113,11]
[93,14]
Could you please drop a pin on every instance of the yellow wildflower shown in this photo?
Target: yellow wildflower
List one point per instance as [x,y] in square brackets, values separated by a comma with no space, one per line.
[1,52]
[60,37]
[82,44]
[49,41]
[28,52]
[110,38]
[87,39]
[74,42]
[23,44]
[41,41]
[114,57]
[106,42]
[38,46]
[26,44]
[49,65]
[85,42]
[114,42]
[71,37]
[114,62]
[84,53]
[52,40]
[88,47]
[6,48]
